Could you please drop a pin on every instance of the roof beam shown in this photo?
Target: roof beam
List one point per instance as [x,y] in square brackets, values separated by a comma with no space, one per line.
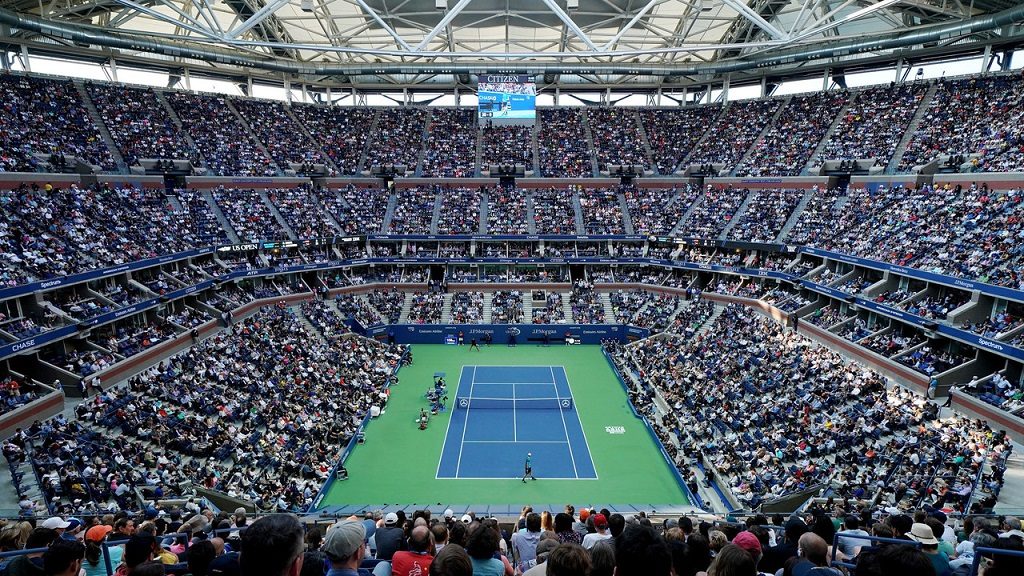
[262,14]
[570,25]
[814,30]
[629,25]
[448,17]
[201,30]
[745,11]
[380,22]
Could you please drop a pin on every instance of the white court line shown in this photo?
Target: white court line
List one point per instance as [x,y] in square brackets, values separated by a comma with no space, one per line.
[517,478]
[515,428]
[458,464]
[451,416]
[565,428]
[580,420]
[516,383]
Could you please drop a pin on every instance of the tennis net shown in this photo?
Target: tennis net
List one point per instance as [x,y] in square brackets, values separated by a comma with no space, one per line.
[477,403]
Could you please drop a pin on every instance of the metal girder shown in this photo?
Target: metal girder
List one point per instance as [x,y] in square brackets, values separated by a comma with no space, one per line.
[262,14]
[570,25]
[745,11]
[201,30]
[448,17]
[629,25]
[816,29]
[380,21]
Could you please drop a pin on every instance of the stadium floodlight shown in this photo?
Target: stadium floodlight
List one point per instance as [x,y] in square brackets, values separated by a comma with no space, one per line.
[572,4]
[441,4]
[306,5]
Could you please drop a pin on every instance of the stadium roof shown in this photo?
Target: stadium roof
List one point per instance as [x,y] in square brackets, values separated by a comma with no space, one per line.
[395,42]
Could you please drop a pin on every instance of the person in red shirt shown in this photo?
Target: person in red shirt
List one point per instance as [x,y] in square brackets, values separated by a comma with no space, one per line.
[416,560]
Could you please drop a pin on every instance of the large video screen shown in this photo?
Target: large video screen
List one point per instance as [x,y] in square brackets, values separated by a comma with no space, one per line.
[507,96]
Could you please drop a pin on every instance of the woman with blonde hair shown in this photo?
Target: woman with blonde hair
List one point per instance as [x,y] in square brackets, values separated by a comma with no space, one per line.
[14,535]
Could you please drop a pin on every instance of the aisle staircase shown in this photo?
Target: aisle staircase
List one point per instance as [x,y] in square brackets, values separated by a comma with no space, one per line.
[627,218]
[221,218]
[97,120]
[369,140]
[162,99]
[686,215]
[592,150]
[403,318]
[309,135]
[795,216]
[252,135]
[446,311]
[277,214]
[389,214]
[764,131]
[738,215]
[813,160]
[609,310]
[436,215]
[531,215]
[577,210]
[423,143]
[908,135]
[648,151]
[488,299]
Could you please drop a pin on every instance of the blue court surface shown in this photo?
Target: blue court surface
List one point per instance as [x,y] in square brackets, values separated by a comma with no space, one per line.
[501,413]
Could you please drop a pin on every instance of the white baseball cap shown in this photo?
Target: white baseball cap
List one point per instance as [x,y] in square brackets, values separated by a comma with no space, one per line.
[55,523]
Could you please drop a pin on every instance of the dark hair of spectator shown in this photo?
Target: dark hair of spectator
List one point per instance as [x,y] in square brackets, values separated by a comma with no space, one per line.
[533,522]
[641,551]
[568,560]
[602,557]
[199,557]
[150,569]
[61,555]
[563,522]
[452,560]
[313,563]
[732,561]
[483,542]
[270,545]
[616,524]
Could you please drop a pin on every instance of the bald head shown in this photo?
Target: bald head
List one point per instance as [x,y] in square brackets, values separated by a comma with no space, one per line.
[218,545]
[814,548]
[419,539]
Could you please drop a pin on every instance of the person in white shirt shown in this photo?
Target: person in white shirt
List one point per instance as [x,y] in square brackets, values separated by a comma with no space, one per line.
[601,524]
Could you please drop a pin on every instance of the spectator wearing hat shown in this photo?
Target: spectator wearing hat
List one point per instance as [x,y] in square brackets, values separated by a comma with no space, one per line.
[746,540]
[370,523]
[345,547]
[32,564]
[416,560]
[601,525]
[924,535]
[95,563]
[389,538]
[63,558]
[57,524]
[524,544]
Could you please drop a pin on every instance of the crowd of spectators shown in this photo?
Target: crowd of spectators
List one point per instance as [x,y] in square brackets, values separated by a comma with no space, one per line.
[426,307]
[274,127]
[766,413]
[553,212]
[673,132]
[734,132]
[617,137]
[450,147]
[302,210]
[587,304]
[550,311]
[460,211]
[414,210]
[388,302]
[45,116]
[656,210]
[644,309]
[221,140]
[875,122]
[976,117]
[816,217]
[467,308]
[398,137]
[716,209]
[139,124]
[787,145]
[248,215]
[507,307]
[342,132]
[506,211]
[602,213]
[15,392]
[503,143]
[765,215]
[562,138]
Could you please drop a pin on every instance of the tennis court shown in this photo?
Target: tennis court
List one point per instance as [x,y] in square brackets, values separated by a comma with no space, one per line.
[501,413]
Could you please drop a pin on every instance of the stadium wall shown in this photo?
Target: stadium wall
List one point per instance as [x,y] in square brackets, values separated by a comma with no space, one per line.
[39,409]
[525,334]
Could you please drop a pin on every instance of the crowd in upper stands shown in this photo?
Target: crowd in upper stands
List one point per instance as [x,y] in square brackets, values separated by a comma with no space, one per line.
[672,133]
[139,124]
[563,145]
[41,116]
[450,146]
[787,145]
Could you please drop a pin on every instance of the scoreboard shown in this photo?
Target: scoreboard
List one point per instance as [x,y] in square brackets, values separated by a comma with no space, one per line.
[507,97]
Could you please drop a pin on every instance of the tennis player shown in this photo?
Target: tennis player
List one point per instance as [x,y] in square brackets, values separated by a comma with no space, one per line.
[528,468]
